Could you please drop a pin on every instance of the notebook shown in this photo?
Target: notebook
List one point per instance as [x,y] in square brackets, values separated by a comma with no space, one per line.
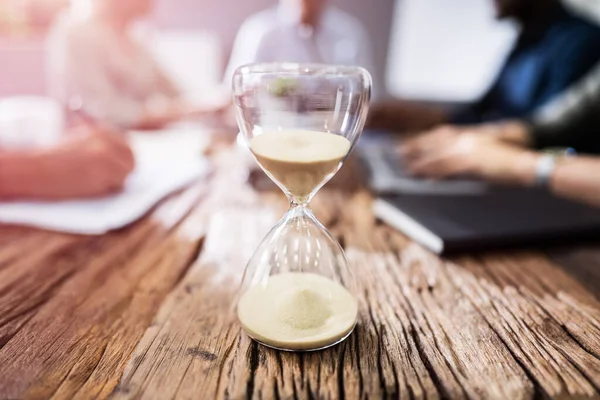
[500,217]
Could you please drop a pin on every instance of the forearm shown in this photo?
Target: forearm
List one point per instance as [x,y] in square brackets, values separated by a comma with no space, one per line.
[169,87]
[153,119]
[157,112]
[516,167]
[173,111]
[148,122]
[575,178]
[578,178]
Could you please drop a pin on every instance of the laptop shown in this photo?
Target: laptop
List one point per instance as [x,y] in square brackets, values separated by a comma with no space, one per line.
[377,152]
[463,215]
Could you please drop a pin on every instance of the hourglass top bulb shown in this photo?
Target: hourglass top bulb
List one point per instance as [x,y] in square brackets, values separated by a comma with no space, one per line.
[300,161]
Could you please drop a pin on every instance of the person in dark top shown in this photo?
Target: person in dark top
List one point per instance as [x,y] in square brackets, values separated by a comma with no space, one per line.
[502,152]
[572,120]
[554,49]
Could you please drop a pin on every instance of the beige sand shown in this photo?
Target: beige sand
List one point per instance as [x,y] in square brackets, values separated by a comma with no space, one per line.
[298,311]
[300,160]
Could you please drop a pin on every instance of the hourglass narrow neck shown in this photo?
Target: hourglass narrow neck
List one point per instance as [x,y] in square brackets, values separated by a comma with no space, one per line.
[294,203]
[299,211]
[299,201]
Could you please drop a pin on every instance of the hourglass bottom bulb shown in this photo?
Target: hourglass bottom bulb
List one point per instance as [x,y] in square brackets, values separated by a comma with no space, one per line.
[298,311]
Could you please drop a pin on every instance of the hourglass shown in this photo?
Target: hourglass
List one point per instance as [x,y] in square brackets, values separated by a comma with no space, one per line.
[300,122]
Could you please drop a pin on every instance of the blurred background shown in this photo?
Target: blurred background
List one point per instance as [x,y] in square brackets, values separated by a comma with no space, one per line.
[524,72]
[207,26]
[422,48]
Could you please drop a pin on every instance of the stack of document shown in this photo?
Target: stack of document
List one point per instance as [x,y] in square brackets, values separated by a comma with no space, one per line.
[166,161]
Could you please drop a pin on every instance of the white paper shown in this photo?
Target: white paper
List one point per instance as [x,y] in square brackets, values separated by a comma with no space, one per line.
[165,163]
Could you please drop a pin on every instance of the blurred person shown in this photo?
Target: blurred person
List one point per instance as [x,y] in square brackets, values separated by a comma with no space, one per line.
[302,31]
[88,162]
[554,49]
[572,120]
[95,59]
[505,152]
[41,13]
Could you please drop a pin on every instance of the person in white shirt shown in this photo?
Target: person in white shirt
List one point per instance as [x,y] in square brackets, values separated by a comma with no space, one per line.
[95,60]
[303,31]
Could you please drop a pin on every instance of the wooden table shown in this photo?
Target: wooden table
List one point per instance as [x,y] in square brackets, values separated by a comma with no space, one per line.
[147,312]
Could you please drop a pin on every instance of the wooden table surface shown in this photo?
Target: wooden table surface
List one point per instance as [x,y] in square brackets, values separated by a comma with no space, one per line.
[147,312]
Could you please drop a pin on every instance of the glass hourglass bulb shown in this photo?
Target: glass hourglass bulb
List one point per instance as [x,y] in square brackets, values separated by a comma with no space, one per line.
[300,123]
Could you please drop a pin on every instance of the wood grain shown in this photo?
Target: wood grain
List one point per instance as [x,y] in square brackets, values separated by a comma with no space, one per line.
[148,312]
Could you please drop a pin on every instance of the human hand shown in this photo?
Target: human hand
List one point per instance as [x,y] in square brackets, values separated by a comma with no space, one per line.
[448,151]
[88,163]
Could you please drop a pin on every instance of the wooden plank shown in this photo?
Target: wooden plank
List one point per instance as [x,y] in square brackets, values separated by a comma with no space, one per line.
[148,312]
[425,330]
[551,333]
[86,308]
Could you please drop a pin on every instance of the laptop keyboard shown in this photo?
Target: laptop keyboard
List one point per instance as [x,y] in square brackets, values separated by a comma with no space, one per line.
[386,175]
[392,160]
[383,160]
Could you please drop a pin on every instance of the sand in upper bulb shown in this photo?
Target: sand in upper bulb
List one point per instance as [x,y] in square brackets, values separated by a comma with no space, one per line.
[298,311]
[300,160]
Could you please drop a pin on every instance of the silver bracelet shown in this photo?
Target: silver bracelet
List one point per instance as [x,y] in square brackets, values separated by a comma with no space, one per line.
[544,169]
[547,163]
